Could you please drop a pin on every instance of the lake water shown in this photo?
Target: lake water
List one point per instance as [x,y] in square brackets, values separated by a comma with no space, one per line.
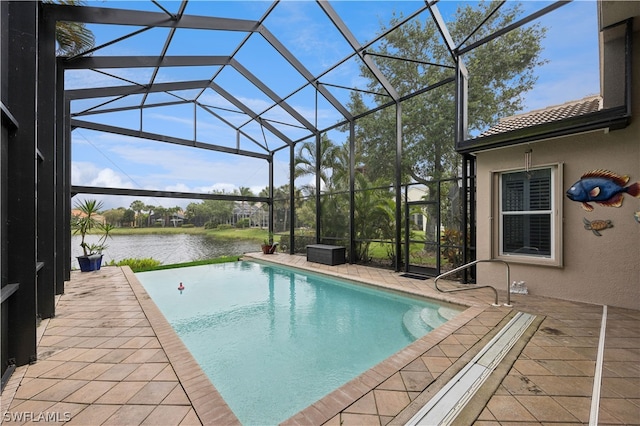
[168,249]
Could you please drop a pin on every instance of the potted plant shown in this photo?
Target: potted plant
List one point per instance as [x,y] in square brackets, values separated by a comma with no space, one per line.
[86,223]
[267,244]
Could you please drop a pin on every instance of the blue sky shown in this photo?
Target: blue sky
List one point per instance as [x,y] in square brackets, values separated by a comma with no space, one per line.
[101,159]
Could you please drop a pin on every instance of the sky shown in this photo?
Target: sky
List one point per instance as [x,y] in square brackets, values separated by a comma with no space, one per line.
[109,160]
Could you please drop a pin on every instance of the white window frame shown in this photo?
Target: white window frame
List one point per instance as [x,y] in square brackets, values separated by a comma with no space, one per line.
[555,257]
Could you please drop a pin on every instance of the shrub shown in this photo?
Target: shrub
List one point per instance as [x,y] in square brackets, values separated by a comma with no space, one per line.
[224,226]
[138,265]
[242,223]
[302,241]
[451,241]
[187,225]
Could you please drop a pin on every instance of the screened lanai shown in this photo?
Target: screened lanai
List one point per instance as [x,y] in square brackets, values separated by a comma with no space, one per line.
[345,118]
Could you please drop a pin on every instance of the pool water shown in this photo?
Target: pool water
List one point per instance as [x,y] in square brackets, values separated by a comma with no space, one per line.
[274,340]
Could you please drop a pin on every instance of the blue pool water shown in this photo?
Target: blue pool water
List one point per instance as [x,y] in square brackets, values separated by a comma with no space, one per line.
[274,340]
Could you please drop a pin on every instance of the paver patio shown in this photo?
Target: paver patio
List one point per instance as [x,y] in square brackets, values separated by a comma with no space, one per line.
[110,357]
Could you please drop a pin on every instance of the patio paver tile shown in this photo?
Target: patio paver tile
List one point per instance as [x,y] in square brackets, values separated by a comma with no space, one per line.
[118,372]
[191,419]
[94,414]
[129,415]
[365,405]
[507,408]
[153,393]
[349,419]
[623,409]
[166,415]
[390,403]
[121,393]
[61,390]
[416,380]
[90,392]
[545,409]
[176,397]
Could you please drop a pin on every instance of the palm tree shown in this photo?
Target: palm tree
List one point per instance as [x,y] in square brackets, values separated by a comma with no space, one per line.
[137,206]
[246,192]
[73,38]
[306,159]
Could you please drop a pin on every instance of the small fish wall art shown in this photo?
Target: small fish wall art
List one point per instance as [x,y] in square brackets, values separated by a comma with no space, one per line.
[603,187]
[597,225]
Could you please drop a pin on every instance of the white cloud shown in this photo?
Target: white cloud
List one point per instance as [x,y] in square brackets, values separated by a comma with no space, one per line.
[110,179]
[180,187]
[227,188]
[88,174]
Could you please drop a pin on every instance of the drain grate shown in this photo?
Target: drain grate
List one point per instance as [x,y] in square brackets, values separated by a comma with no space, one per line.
[445,406]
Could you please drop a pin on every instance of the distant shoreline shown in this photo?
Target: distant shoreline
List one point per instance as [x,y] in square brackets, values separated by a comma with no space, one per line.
[255,234]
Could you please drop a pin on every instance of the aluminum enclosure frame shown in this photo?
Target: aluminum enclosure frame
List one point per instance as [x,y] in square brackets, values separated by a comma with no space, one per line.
[37,127]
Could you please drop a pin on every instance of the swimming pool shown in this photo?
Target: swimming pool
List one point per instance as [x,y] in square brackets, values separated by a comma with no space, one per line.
[274,340]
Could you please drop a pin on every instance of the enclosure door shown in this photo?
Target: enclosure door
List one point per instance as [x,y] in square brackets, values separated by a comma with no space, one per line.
[434,222]
[422,237]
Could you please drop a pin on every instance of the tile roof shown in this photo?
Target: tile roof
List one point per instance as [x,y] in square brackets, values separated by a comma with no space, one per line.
[570,109]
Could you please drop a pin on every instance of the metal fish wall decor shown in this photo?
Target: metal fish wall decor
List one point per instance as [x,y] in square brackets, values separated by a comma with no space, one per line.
[603,187]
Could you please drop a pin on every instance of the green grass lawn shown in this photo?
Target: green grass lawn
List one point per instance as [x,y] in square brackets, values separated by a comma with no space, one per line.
[144,265]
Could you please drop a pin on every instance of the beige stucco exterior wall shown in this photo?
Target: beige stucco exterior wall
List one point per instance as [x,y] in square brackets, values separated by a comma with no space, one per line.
[601,270]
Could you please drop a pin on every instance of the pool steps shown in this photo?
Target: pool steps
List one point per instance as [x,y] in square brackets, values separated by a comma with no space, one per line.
[419,321]
[445,406]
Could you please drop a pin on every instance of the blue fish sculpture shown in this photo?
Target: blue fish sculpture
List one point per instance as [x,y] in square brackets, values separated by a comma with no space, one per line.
[603,187]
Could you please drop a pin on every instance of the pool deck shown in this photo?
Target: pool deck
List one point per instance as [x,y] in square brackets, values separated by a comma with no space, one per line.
[109,357]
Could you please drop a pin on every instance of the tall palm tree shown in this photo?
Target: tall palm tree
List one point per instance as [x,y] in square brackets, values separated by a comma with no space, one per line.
[307,159]
[137,206]
[72,38]
[246,192]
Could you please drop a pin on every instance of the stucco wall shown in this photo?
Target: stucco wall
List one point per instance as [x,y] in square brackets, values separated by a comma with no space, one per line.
[601,270]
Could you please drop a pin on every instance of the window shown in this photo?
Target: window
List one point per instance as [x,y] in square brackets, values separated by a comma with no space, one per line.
[528,216]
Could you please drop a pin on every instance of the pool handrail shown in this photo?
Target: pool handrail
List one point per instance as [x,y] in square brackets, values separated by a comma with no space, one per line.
[468,265]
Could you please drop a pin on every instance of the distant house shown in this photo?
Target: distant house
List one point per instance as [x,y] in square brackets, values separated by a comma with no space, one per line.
[176,219]
[97,217]
[256,214]
[526,164]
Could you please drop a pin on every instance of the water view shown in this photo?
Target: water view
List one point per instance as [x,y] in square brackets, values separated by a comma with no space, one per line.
[168,249]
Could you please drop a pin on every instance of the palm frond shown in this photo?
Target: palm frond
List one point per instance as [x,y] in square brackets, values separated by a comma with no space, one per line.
[72,38]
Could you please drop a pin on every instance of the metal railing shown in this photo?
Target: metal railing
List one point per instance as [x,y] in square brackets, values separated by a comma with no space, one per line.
[470,264]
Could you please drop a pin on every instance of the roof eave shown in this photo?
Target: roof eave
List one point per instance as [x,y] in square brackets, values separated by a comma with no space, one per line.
[611,118]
